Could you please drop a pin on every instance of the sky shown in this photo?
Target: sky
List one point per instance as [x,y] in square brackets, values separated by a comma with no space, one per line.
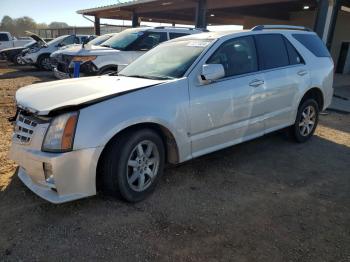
[46,11]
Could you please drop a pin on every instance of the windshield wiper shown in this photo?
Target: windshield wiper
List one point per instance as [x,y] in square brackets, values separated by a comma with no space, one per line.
[105,45]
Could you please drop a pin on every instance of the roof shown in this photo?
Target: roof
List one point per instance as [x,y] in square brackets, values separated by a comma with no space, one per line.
[115,6]
[220,12]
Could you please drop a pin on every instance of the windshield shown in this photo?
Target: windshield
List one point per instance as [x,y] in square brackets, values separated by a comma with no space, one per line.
[124,39]
[99,40]
[29,44]
[57,40]
[167,61]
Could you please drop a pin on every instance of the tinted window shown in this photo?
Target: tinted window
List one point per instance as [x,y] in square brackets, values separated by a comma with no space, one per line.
[148,41]
[4,37]
[83,39]
[69,40]
[313,43]
[294,57]
[238,56]
[272,51]
[176,35]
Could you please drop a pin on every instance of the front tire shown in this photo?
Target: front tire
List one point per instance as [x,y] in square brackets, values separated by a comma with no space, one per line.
[132,165]
[17,60]
[306,121]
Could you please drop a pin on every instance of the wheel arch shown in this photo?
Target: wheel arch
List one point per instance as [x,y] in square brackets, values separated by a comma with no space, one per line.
[170,144]
[317,94]
[43,54]
[40,57]
[107,67]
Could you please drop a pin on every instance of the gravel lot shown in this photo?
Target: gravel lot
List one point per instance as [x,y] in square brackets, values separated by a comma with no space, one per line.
[266,200]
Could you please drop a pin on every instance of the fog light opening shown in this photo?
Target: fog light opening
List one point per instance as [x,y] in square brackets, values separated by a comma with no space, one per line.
[48,174]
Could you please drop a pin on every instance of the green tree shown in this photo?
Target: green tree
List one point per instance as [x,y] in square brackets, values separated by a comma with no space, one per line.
[7,24]
[58,25]
[23,24]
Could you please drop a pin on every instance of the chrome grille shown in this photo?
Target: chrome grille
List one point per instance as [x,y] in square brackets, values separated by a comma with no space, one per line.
[24,128]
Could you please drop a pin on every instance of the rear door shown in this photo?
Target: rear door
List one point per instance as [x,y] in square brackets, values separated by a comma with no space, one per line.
[284,71]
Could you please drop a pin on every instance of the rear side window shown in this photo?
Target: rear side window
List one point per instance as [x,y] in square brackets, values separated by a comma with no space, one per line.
[4,37]
[176,35]
[294,57]
[148,41]
[313,43]
[272,51]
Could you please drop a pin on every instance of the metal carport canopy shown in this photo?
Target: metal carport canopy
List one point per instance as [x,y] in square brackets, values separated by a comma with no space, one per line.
[191,11]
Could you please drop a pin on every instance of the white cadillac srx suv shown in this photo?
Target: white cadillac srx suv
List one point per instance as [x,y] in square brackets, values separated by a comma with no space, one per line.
[185,98]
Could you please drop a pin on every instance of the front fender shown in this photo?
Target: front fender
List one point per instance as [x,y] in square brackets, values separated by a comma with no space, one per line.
[165,105]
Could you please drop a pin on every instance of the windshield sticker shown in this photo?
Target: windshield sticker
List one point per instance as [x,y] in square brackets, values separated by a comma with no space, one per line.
[198,43]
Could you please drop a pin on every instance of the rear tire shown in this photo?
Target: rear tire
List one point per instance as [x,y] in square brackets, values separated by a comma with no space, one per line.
[306,121]
[44,62]
[132,165]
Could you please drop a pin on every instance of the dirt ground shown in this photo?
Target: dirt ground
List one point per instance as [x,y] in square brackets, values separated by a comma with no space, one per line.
[266,200]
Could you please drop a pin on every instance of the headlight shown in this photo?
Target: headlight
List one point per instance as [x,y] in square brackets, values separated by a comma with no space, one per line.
[60,134]
[84,59]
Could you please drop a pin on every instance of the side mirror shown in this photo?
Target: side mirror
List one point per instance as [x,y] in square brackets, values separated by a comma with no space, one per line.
[212,72]
[60,45]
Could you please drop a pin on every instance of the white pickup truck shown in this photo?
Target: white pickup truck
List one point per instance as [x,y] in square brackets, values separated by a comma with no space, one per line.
[7,40]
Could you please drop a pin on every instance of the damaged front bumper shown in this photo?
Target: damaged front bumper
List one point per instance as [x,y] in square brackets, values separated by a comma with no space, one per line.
[56,177]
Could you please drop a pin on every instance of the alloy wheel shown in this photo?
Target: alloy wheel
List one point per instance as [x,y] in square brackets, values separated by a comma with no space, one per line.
[307,120]
[142,166]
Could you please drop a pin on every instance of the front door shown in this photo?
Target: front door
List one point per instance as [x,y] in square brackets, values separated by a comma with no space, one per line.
[224,112]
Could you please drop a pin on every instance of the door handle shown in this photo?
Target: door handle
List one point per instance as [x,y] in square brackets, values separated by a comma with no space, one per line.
[256,83]
[302,72]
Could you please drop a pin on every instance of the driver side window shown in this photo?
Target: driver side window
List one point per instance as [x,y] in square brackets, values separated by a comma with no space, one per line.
[238,56]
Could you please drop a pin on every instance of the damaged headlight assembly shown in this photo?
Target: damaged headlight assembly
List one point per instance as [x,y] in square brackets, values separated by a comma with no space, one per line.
[59,136]
[84,59]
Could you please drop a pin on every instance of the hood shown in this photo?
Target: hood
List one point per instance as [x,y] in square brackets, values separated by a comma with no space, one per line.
[44,98]
[11,49]
[37,38]
[98,50]
[72,46]
[69,50]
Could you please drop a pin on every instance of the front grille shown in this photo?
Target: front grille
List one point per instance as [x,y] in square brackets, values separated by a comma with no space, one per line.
[25,126]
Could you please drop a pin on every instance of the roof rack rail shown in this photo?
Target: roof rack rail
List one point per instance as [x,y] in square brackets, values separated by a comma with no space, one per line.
[180,27]
[288,27]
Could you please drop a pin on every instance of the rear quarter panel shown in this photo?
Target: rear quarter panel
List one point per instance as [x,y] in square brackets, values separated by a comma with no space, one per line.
[321,71]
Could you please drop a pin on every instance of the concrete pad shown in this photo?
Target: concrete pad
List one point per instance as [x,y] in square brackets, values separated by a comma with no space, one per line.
[341,97]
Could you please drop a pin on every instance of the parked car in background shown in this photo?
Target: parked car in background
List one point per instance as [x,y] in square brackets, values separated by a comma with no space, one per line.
[40,57]
[8,41]
[119,51]
[14,54]
[58,58]
[185,98]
